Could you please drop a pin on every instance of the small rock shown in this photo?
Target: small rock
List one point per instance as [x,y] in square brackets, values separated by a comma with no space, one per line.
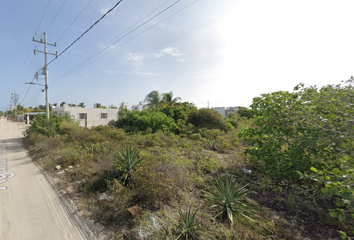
[136,211]
[58,167]
[70,189]
[71,167]
[245,170]
[104,196]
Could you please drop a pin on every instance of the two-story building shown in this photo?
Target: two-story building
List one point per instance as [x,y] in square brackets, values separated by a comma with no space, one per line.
[87,117]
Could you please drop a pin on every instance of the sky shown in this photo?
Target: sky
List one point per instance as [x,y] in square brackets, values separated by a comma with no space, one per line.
[223,52]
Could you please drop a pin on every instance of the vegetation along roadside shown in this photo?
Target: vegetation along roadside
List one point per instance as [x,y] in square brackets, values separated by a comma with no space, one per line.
[283,169]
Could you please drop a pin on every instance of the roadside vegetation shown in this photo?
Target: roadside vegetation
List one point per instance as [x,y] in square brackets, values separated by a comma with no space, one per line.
[283,169]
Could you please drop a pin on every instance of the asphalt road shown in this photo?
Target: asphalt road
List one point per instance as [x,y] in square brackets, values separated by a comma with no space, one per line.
[29,207]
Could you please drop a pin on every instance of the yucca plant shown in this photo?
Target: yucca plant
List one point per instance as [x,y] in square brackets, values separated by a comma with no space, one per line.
[228,196]
[188,227]
[127,160]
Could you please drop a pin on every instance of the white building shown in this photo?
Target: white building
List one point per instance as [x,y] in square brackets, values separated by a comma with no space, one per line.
[87,117]
[139,106]
[220,110]
[225,111]
[123,105]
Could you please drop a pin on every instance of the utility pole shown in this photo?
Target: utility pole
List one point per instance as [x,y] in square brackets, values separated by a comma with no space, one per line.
[14,101]
[46,69]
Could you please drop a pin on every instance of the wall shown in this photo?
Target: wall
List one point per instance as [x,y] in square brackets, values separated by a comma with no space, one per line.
[93,114]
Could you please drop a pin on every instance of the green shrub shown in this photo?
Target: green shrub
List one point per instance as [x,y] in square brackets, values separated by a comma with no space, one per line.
[151,186]
[150,119]
[195,136]
[299,130]
[50,128]
[207,118]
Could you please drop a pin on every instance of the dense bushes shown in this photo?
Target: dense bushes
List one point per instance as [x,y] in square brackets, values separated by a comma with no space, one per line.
[310,128]
[182,148]
[41,126]
[146,120]
[207,118]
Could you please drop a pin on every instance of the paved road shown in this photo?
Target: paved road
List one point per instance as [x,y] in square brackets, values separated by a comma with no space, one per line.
[29,207]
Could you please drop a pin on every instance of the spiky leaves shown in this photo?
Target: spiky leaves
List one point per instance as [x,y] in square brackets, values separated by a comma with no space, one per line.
[188,227]
[127,160]
[228,197]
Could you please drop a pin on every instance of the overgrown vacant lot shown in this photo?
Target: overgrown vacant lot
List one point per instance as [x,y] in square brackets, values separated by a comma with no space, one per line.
[283,170]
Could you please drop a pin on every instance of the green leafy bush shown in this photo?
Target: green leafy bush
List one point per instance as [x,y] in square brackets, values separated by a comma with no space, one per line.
[50,128]
[146,119]
[336,183]
[299,130]
[207,118]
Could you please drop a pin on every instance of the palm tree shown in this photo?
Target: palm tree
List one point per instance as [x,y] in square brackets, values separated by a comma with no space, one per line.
[168,100]
[153,99]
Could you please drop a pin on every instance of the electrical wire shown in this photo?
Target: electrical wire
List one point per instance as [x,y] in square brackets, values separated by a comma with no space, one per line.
[79,66]
[86,30]
[125,29]
[74,20]
[29,87]
[56,15]
[27,91]
[114,41]
[37,94]
[23,66]
[29,49]
[43,16]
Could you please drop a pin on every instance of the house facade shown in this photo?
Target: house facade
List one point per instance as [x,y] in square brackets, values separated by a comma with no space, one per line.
[87,117]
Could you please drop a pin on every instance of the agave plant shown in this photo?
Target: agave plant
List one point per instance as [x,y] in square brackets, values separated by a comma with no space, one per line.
[127,160]
[189,228]
[227,196]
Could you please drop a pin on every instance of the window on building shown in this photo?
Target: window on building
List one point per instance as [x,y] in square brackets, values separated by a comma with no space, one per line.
[82,115]
[103,115]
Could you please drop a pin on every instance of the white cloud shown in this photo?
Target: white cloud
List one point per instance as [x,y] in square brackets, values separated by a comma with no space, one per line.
[137,64]
[111,72]
[88,75]
[172,51]
[105,6]
[103,46]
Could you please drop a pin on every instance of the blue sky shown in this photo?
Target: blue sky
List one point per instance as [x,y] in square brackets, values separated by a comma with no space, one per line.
[225,52]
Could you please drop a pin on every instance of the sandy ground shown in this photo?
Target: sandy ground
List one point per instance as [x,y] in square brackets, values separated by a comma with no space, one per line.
[29,207]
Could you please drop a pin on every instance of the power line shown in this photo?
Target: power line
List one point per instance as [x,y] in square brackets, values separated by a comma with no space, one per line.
[27,90]
[74,20]
[87,30]
[23,66]
[79,66]
[100,51]
[56,15]
[29,49]
[43,16]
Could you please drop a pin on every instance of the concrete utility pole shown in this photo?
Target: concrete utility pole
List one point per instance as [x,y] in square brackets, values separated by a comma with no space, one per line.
[14,100]
[46,69]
